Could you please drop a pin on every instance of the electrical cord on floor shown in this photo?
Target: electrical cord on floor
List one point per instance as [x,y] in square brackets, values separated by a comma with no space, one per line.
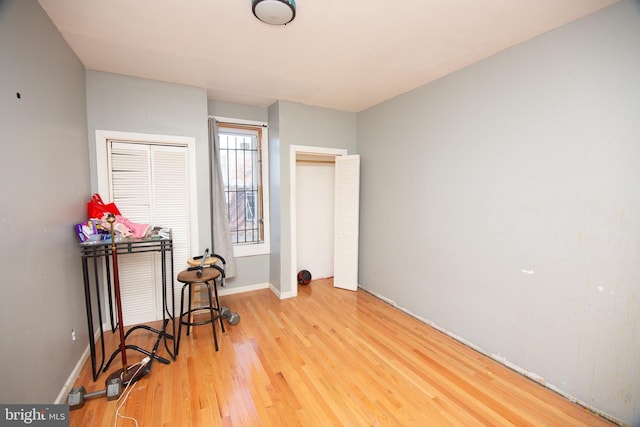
[127,391]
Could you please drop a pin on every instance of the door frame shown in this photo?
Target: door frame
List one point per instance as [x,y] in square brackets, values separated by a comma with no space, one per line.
[294,150]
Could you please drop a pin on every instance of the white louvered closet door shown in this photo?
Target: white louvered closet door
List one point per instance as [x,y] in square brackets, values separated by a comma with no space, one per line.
[149,184]
[346,226]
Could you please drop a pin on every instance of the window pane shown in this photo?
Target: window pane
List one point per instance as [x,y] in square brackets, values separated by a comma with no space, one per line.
[240,163]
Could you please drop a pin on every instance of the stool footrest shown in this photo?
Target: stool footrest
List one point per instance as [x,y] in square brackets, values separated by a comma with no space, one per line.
[193,311]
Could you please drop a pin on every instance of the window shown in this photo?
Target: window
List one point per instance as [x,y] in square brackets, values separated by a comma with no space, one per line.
[243,161]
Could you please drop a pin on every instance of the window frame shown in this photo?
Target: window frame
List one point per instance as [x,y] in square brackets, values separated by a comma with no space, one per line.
[264,248]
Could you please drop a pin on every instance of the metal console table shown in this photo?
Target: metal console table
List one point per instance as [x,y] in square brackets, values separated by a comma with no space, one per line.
[95,252]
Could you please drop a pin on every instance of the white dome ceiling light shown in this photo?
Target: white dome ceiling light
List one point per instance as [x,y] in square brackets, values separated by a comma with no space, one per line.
[274,12]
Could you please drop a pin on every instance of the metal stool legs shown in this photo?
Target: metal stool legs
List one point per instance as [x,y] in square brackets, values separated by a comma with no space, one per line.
[215,290]
[190,278]
[189,311]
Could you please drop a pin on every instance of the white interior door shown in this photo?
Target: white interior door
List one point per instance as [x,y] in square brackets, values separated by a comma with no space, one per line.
[346,224]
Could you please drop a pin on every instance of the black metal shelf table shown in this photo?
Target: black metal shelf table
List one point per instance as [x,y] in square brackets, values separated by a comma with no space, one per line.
[100,253]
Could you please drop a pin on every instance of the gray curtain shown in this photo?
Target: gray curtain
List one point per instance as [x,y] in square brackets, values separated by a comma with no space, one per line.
[220,231]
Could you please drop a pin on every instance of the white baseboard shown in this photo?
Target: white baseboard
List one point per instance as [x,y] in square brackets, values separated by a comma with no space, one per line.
[285,295]
[258,286]
[75,373]
[282,295]
[241,289]
[249,288]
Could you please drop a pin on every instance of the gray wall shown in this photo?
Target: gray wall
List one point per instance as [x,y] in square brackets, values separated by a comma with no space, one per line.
[251,270]
[237,111]
[297,124]
[43,190]
[513,187]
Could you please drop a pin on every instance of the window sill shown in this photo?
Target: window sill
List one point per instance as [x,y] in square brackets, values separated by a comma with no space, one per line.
[240,251]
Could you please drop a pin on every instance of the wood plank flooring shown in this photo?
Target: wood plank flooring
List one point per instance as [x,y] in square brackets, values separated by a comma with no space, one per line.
[329,357]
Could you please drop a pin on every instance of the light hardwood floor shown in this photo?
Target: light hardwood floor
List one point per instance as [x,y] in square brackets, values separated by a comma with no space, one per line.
[329,357]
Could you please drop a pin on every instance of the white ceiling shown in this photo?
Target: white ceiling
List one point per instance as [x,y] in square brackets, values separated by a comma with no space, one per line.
[342,54]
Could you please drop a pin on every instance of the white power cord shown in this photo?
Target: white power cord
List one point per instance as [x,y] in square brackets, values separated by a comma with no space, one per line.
[127,391]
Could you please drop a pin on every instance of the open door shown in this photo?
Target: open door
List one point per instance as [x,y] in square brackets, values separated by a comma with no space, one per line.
[347,217]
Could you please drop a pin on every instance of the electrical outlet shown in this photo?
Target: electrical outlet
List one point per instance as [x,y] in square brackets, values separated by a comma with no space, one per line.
[73,335]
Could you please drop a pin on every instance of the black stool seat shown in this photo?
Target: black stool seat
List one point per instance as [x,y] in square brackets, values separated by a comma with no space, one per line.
[205,276]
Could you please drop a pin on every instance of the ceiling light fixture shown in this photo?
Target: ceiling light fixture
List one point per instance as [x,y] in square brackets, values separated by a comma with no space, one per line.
[274,12]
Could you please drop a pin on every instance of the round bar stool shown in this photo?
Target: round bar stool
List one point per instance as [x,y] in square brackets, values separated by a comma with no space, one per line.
[212,260]
[190,277]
